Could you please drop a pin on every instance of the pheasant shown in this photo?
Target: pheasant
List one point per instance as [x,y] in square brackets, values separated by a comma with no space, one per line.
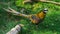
[35,18]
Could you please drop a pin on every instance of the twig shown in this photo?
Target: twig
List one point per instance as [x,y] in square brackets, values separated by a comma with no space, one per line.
[57,3]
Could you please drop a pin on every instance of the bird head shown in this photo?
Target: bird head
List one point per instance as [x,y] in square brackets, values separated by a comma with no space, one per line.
[45,10]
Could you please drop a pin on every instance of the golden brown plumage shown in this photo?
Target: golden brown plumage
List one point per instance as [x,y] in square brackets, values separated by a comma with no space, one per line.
[35,18]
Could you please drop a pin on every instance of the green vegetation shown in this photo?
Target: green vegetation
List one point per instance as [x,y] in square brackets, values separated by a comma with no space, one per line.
[50,25]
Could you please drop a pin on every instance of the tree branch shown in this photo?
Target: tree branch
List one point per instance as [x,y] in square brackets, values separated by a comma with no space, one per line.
[57,3]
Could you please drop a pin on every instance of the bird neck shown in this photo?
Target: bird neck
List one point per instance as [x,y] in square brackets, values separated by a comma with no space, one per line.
[41,15]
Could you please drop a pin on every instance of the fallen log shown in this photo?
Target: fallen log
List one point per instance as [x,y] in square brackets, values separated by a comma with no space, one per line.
[15,30]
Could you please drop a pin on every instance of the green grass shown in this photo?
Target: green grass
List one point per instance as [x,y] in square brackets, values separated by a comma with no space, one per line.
[50,25]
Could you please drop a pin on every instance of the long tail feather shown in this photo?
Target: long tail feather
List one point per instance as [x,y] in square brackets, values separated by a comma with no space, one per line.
[14,12]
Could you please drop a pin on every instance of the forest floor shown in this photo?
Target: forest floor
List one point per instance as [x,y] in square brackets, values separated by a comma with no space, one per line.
[50,25]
